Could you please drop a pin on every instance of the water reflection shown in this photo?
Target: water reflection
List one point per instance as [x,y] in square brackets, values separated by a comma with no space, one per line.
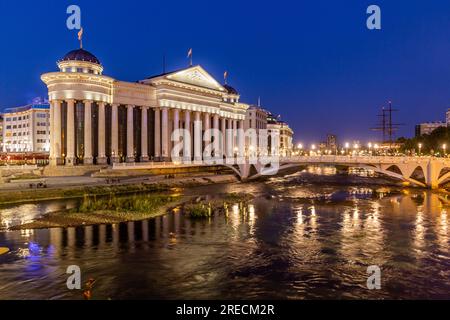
[295,248]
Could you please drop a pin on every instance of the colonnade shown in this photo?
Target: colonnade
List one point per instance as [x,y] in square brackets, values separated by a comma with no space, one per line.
[84,139]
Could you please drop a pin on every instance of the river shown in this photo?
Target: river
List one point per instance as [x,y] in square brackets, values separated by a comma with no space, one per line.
[295,240]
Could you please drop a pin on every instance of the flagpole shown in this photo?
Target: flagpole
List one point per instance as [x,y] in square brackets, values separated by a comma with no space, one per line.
[80,37]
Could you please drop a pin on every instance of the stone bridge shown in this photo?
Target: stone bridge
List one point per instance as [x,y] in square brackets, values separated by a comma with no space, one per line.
[428,172]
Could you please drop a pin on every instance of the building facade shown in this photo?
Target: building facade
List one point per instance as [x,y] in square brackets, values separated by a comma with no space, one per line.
[26,129]
[98,119]
[256,119]
[282,133]
[332,144]
[428,127]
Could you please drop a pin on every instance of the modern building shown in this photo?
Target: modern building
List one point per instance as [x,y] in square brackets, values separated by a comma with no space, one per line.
[256,119]
[428,127]
[98,119]
[332,143]
[27,129]
[447,117]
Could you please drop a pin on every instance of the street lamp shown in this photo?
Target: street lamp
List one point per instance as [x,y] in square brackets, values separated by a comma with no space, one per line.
[376,147]
[313,148]
[300,148]
[370,147]
[347,146]
[444,147]
[420,148]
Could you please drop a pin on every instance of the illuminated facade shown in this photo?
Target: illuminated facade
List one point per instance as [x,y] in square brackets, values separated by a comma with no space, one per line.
[96,119]
[27,129]
[284,133]
[256,119]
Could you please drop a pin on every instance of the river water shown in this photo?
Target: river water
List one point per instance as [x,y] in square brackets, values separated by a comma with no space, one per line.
[295,240]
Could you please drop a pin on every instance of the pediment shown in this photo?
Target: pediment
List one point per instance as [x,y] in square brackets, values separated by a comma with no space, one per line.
[196,76]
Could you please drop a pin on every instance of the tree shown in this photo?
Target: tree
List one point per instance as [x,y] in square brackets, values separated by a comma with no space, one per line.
[431,143]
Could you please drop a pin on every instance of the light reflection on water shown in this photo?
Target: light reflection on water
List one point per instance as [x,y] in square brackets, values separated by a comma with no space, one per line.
[281,245]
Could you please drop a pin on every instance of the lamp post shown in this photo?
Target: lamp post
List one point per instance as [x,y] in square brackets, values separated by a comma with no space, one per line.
[347,146]
[355,149]
[313,148]
[444,147]
[420,148]
[370,147]
[300,148]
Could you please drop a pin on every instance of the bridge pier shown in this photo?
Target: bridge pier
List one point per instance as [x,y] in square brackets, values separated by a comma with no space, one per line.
[432,174]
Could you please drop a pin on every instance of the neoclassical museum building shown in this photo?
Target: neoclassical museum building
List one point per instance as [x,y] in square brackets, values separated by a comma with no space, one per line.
[95,119]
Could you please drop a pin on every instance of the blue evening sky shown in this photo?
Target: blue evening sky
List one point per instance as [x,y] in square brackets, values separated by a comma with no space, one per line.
[314,62]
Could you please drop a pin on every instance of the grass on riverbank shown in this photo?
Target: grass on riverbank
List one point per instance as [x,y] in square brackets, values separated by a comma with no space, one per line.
[135,203]
[107,210]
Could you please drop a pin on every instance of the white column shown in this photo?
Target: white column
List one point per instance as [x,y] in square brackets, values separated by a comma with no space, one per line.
[101,159]
[165,134]
[206,126]
[144,135]
[197,138]
[187,154]
[70,157]
[115,133]
[229,142]
[52,129]
[56,132]
[130,134]
[240,138]
[87,132]
[176,127]
[217,151]
[234,137]
[157,134]
[223,144]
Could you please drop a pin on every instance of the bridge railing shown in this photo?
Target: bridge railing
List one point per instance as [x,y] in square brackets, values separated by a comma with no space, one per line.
[359,159]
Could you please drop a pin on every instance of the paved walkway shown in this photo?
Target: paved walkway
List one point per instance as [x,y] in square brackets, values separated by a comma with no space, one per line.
[67,182]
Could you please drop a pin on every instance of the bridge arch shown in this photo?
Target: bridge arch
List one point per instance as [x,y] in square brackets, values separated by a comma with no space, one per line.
[419,171]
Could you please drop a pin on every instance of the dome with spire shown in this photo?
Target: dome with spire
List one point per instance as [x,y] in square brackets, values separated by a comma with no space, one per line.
[81,55]
[80,61]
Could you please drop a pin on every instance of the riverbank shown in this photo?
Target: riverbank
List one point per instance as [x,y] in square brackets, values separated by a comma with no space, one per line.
[125,186]
[112,209]
[75,218]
